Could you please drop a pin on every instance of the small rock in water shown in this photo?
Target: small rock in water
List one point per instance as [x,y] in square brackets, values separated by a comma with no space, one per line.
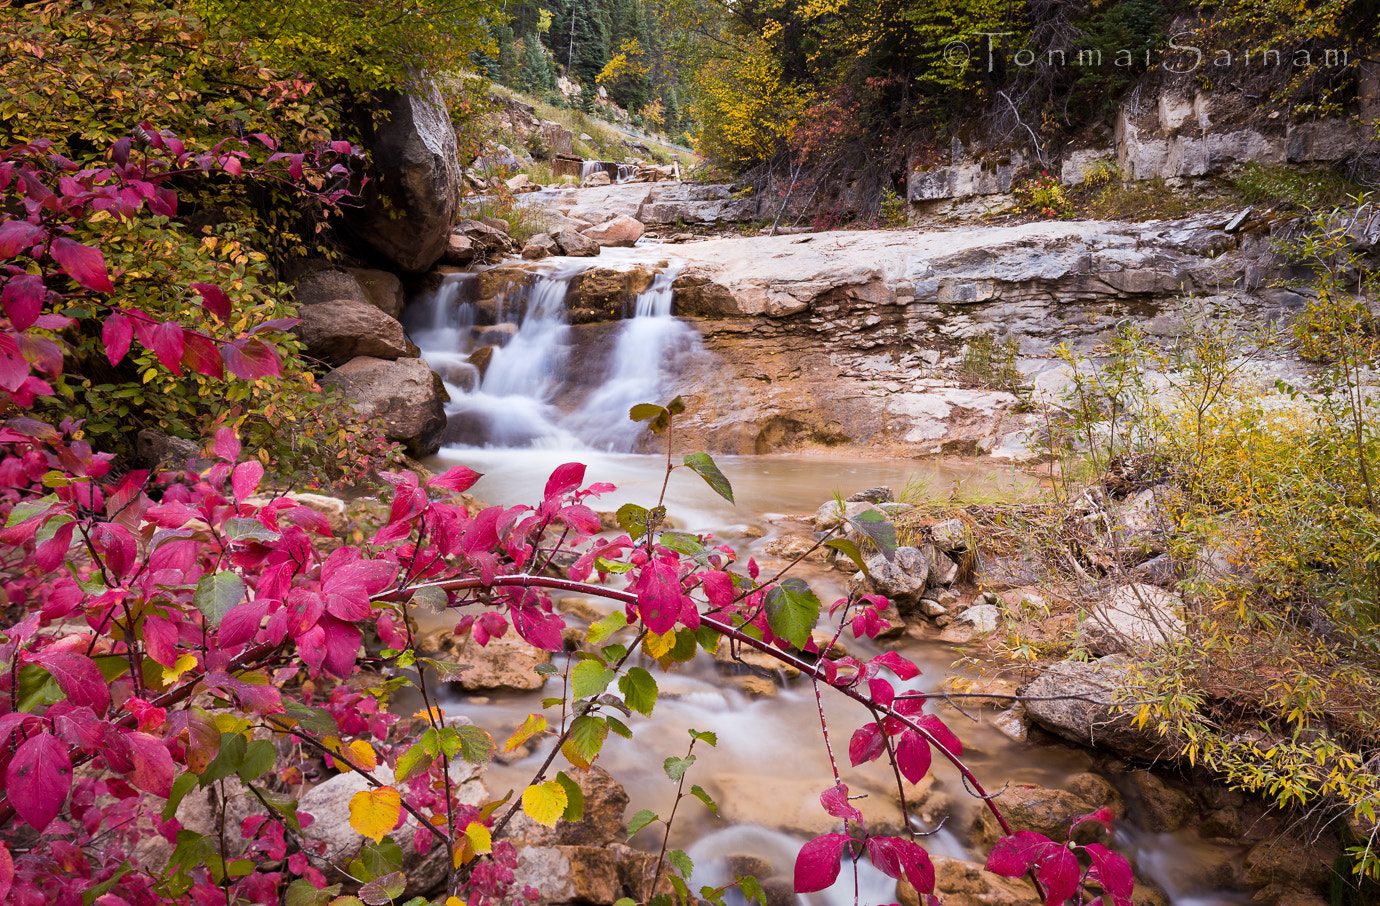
[1013,723]
[873,495]
[983,617]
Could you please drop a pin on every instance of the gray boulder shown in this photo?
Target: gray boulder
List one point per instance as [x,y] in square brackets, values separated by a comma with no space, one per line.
[337,331]
[903,579]
[1075,700]
[576,245]
[416,174]
[405,394]
[1136,618]
[381,289]
[542,245]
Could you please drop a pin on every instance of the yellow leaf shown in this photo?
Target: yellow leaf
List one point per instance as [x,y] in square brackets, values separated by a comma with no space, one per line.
[454,901]
[183,663]
[479,837]
[533,725]
[374,813]
[545,802]
[361,755]
[430,715]
[657,646]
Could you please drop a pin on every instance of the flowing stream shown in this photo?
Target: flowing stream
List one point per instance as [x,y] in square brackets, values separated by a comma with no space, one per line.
[518,420]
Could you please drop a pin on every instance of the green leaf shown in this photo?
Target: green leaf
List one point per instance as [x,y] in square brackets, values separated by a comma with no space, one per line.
[850,550]
[641,820]
[635,520]
[643,412]
[676,406]
[23,512]
[36,688]
[675,768]
[574,797]
[383,890]
[242,528]
[684,648]
[619,727]
[613,653]
[678,883]
[476,745]
[590,678]
[430,597]
[285,805]
[216,594]
[681,543]
[713,895]
[227,760]
[625,901]
[92,894]
[751,889]
[180,788]
[702,464]
[708,737]
[314,720]
[792,611]
[376,860]
[301,893]
[609,566]
[875,526]
[413,763]
[258,758]
[698,792]
[639,690]
[587,735]
[681,861]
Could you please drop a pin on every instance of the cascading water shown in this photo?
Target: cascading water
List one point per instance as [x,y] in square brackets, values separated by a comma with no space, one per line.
[507,371]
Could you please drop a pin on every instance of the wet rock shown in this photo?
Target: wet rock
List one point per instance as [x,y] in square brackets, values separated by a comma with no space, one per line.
[1013,724]
[460,250]
[381,289]
[873,495]
[789,547]
[574,244]
[1134,619]
[730,661]
[542,245]
[505,663]
[621,231]
[1291,862]
[1073,699]
[481,358]
[963,883]
[792,805]
[596,179]
[1033,808]
[342,329]
[1097,790]
[1163,808]
[1223,822]
[903,579]
[755,686]
[405,394]
[605,803]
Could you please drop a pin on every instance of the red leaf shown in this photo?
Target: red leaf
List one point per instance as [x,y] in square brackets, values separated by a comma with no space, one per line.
[1102,816]
[153,765]
[1059,874]
[160,640]
[659,594]
[241,623]
[17,235]
[1012,856]
[459,479]
[38,779]
[563,480]
[50,554]
[201,354]
[342,641]
[913,756]
[165,339]
[226,445]
[213,299]
[835,802]
[23,300]
[117,333]
[941,734]
[1112,871]
[817,865]
[895,857]
[580,517]
[881,692]
[78,677]
[540,629]
[6,872]
[244,481]
[866,745]
[82,263]
[898,665]
[250,359]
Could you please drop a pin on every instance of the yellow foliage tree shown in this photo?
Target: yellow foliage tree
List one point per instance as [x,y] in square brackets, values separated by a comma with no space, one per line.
[746,111]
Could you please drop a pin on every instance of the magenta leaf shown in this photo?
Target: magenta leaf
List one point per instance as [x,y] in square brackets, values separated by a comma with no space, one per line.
[50,554]
[941,734]
[817,865]
[1102,816]
[82,263]
[342,641]
[659,595]
[913,756]
[23,300]
[881,691]
[165,339]
[241,622]
[579,517]
[250,359]
[1059,873]
[459,479]
[244,480]
[898,665]
[226,445]
[1012,856]
[79,677]
[563,480]
[895,858]
[835,802]
[1112,871]
[213,299]
[17,235]
[201,354]
[38,779]
[866,745]
[117,333]
[540,629]
[153,765]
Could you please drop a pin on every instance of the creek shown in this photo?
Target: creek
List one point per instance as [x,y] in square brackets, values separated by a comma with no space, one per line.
[519,419]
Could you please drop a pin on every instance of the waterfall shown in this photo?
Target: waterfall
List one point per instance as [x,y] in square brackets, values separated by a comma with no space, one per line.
[507,365]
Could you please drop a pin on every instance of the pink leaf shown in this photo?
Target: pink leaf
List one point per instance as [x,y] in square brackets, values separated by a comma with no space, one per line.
[201,354]
[82,263]
[580,517]
[50,554]
[881,692]
[540,629]
[17,235]
[23,300]
[1059,874]
[165,339]
[898,665]
[213,299]
[153,765]
[563,480]
[866,745]
[6,872]
[1112,871]
[817,865]
[459,479]
[78,677]
[941,734]
[718,587]
[1102,816]
[659,595]
[250,359]
[160,640]
[1012,856]
[835,802]
[241,623]
[226,445]
[117,333]
[896,857]
[913,756]
[244,481]
[342,641]
[38,779]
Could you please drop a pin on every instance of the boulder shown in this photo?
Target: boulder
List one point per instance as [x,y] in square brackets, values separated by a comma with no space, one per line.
[962,883]
[584,874]
[1073,699]
[410,204]
[1034,808]
[605,802]
[504,663]
[1162,808]
[984,618]
[488,236]
[943,570]
[1136,618]
[872,495]
[381,289]
[519,183]
[575,245]
[542,245]
[596,179]
[405,394]
[329,284]
[337,331]
[460,250]
[556,138]
[792,804]
[903,579]
[165,452]
[621,231]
